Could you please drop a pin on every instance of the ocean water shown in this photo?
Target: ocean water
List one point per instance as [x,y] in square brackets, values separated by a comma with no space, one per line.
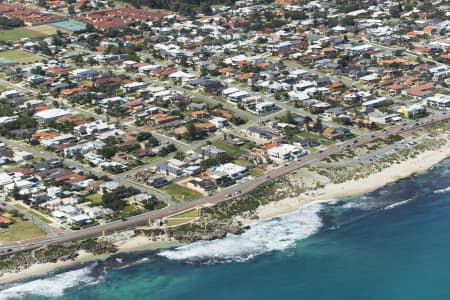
[393,244]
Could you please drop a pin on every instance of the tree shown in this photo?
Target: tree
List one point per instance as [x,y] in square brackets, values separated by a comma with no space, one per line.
[289,117]
[143,136]
[108,151]
[180,155]
[192,131]
[71,10]
[318,126]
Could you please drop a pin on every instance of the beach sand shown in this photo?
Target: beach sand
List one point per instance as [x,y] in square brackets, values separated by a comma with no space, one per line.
[143,243]
[330,192]
[134,244]
[419,164]
[45,268]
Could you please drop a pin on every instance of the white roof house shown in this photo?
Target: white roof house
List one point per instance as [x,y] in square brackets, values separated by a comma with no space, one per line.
[219,122]
[50,114]
[265,107]
[230,91]
[82,73]
[286,152]
[5,179]
[233,170]
[439,101]
[180,75]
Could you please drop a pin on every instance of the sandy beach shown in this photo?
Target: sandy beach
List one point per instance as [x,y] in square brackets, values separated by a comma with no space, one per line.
[421,163]
[134,244]
[45,268]
[143,243]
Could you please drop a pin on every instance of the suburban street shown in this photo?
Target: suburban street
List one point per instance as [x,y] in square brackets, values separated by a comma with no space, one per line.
[225,195]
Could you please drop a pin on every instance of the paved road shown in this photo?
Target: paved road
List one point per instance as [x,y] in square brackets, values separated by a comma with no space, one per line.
[371,156]
[227,194]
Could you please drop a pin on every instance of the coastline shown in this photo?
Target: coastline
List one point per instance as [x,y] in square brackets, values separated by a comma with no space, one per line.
[421,163]
[331,192]
[135,244]
[41,269]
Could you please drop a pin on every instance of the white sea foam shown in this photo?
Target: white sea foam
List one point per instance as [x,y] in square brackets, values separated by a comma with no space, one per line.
[442,191]
[50,287]
[362,204]
[396,204]
[268,235]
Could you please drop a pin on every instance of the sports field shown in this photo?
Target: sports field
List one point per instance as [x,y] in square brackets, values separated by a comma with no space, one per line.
[16,34]
[19,56]
[43,29]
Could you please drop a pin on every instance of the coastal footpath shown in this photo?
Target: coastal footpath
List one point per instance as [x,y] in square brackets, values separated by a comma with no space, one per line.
[277,197]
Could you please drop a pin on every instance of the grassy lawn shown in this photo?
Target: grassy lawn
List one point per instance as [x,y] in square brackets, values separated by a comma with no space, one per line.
[256,171]
[96,198]
[21,230]
[40,217]
[16,34]
[193,213]
[149,160]
[174,222]
[319,138]
[243,163]
[131,210]
[19,56]
[180,193]
[45,29]
[230,149]
[33,213]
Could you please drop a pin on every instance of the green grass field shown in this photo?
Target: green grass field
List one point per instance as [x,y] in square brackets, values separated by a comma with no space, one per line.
[233,151]
[175,222]
[131,210]
[193,213]
[256,171]
[16,34]
[180,193]
[20,56]
[44,29]
[21,230]
[33,213]
[96,198]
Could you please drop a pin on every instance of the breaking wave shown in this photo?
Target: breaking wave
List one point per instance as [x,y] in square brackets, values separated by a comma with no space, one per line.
[269,235]
[53,286]
[441,191]
[396,204]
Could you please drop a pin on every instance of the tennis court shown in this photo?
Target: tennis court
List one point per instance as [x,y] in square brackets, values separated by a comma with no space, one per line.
[70,25]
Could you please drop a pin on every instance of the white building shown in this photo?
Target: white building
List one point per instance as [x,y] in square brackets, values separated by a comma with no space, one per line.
[265,107]
[232,170]
[219,122]
[438,101]
[238,96]
[82,73]
[285,152]
[229,91]
[371,104]
[52,114]
[22,156]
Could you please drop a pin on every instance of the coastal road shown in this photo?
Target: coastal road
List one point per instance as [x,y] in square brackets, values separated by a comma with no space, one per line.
[225,195]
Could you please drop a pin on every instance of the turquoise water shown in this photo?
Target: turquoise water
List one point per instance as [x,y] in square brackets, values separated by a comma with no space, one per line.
[390,244]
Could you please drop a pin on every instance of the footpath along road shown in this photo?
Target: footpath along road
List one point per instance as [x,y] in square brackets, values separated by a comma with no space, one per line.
[225,195]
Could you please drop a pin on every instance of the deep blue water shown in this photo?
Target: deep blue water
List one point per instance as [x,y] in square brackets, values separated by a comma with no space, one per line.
[390,244]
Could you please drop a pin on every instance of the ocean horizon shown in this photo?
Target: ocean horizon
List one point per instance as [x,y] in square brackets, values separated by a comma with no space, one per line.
[388,244]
